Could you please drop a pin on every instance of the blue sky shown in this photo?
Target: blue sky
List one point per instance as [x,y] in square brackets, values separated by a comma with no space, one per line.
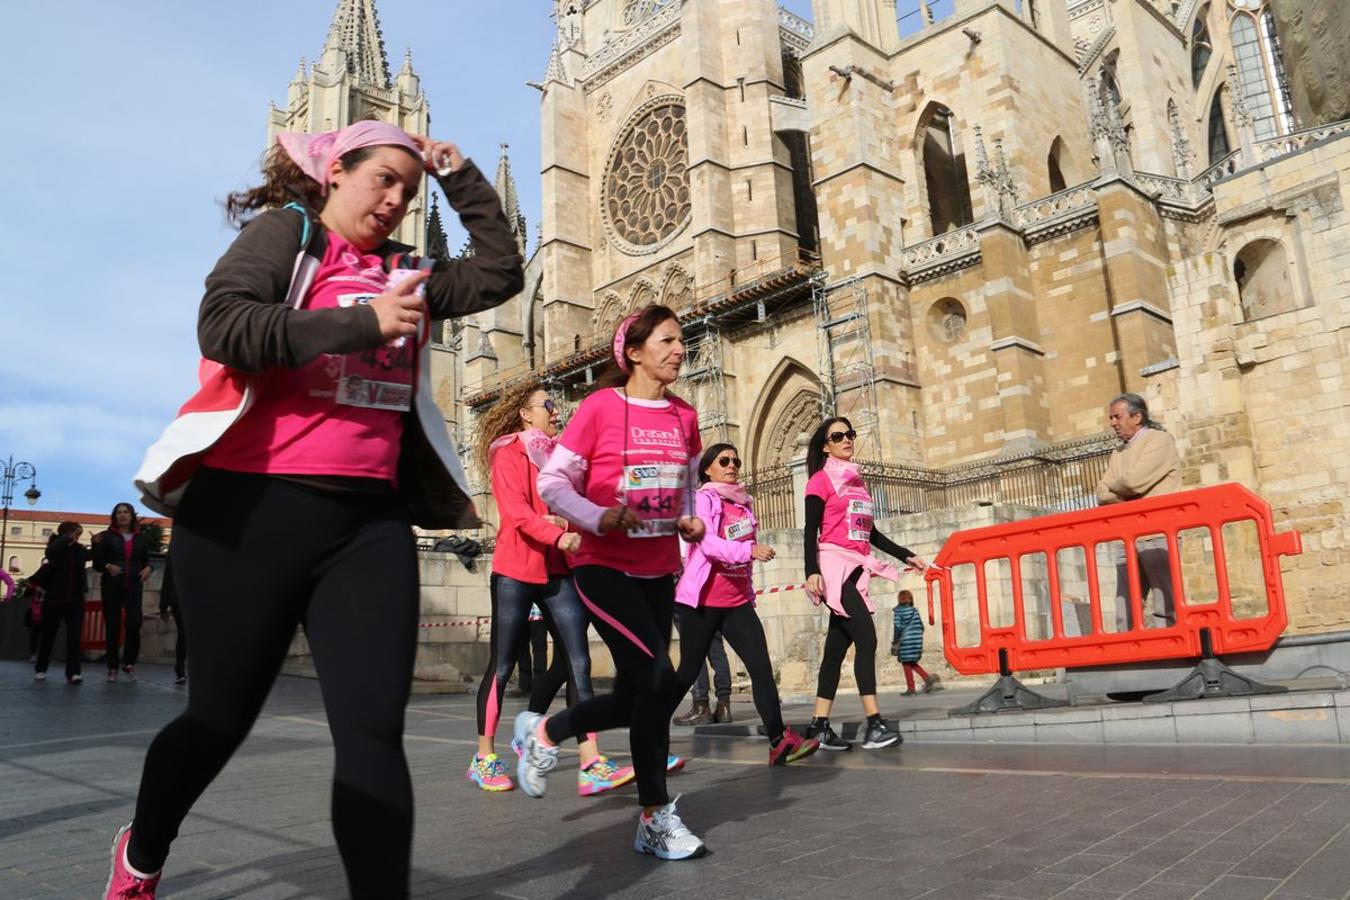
[138,118]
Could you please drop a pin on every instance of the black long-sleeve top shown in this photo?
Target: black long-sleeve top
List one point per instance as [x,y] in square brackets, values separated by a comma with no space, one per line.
[815,514]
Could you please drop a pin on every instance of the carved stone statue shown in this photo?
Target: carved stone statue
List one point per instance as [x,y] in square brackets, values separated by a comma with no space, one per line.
[1313,37]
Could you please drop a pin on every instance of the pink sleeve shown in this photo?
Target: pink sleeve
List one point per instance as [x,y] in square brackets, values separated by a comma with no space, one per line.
[819,486]
[561,485]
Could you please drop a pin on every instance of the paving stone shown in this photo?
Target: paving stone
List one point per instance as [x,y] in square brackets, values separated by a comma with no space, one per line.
[1238,887]
[1014,824]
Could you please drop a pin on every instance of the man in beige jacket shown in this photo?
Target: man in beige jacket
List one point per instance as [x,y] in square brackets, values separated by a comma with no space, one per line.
[1144,465]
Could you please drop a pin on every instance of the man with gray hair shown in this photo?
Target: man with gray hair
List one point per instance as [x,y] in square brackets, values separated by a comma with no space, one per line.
[1145,464]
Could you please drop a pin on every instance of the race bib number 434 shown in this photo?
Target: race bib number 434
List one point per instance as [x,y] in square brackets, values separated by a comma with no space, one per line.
[656,494]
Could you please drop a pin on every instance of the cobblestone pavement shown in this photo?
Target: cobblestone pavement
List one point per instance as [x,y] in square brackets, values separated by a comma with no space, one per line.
[939,822]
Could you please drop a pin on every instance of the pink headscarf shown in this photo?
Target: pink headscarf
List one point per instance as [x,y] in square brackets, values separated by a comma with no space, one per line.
[314,153]
[620,338]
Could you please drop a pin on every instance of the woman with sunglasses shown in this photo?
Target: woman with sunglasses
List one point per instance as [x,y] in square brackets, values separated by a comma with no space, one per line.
[529,567]
[718,595]
[621,474]
[839,563]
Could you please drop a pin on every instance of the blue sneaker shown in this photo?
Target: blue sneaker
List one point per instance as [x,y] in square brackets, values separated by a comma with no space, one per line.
[674,763]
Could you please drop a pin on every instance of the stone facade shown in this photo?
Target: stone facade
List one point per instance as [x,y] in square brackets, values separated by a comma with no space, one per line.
[1020,210]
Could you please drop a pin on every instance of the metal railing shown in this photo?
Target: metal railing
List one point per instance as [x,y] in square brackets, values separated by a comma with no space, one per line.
[1057,478]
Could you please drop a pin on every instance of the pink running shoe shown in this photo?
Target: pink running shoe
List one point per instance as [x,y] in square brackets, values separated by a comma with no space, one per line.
[122,883]
[675,763]
[489,773]
[791,748]
[601,776]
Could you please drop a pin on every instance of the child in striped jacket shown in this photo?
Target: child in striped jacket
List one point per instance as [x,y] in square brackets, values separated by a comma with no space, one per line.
[907,645]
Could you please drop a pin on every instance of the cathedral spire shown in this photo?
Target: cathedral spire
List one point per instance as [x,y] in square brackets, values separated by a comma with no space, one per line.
[355,44]
[438,245]
[506,190]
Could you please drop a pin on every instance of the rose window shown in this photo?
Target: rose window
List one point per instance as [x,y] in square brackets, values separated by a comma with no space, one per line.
[646,198]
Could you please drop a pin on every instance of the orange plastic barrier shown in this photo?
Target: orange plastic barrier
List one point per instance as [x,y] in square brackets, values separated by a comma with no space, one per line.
[1206,509]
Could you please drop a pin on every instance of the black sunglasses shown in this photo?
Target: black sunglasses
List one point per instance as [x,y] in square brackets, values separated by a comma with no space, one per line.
[548,405]
[838,436]
[728,461]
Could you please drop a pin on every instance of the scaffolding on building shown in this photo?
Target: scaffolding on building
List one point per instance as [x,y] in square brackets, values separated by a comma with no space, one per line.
[847,363]
[706,380]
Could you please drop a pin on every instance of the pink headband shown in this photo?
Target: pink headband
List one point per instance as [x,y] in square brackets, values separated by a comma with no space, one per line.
[619,338]
[314,153]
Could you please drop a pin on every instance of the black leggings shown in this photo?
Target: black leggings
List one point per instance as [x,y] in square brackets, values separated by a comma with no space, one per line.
[856,629]
[741,627]
[566,619]
[633,617]
[253,557]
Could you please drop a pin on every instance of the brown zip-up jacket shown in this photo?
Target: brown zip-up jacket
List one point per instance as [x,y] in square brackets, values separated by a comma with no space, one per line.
[245,323]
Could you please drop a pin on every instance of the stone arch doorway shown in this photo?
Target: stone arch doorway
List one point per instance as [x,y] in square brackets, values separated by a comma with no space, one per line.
[784,416]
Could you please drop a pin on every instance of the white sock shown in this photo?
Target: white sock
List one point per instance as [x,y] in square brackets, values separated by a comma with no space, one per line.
[135,873]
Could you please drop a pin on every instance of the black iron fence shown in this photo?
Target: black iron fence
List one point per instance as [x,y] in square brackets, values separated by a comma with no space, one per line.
[1058,478]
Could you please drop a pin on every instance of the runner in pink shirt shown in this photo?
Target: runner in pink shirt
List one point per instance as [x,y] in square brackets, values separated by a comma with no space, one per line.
[621,473]
[840,535]
[530,567]
[717,593]
[296,472]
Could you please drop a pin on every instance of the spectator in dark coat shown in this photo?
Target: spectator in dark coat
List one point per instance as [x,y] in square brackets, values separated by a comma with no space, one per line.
[65,586]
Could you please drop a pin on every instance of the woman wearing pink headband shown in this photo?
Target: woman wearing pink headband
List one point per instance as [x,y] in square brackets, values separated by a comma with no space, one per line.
[295,473]
[621,473]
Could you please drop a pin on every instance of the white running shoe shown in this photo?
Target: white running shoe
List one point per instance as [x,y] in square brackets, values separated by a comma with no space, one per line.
[666,837]
[536,760]
[39,676]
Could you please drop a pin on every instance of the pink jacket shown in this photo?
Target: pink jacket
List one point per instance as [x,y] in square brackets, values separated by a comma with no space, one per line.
[713,548]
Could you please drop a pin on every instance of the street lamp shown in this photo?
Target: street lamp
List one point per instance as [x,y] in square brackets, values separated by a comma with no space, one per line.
[14,473]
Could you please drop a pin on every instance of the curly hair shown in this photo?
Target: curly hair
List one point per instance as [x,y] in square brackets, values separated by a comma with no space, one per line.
[284,182]
[502,418]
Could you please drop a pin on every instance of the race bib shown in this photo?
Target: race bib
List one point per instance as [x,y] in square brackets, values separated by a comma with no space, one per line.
[739,531]
[656,494]
[860,520]
[354,390]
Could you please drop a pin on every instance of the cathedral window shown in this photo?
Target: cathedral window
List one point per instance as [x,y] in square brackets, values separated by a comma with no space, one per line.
[1261,75]
[1219,146]
[1201,46]
[1055,166]
[944,170]
[646,198]
[1261,270]
[634,11]
[947,320]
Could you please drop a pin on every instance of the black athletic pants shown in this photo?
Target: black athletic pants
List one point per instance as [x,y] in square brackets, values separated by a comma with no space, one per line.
[741,627]
[118,600]
[633,617]
[857,630]
[253,557]
[53,617]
